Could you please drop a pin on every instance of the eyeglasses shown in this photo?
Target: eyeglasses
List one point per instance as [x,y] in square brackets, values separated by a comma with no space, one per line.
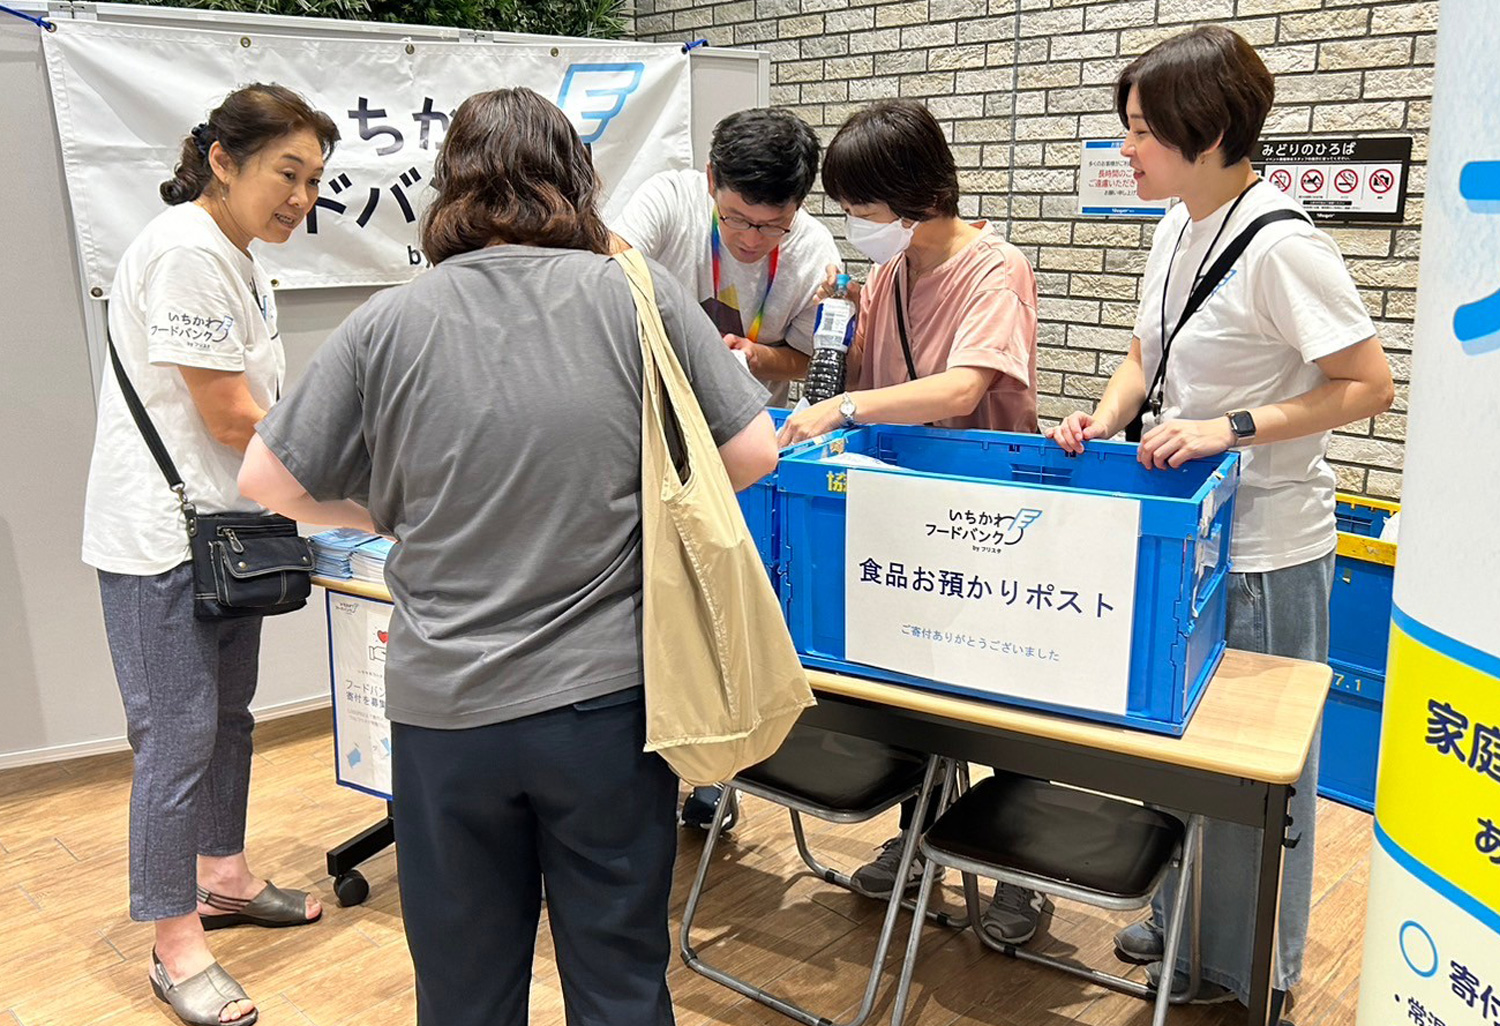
[739,224]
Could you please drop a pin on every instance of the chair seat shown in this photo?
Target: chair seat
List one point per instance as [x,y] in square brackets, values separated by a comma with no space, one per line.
[1089,841]
[838,772]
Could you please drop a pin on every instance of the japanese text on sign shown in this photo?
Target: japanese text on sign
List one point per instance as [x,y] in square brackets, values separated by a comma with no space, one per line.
[959,582]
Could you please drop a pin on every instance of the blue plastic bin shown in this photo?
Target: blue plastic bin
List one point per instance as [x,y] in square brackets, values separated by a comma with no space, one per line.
[1351,737]
[761,504]
[1359,634]
[1177,638]
[1359,609]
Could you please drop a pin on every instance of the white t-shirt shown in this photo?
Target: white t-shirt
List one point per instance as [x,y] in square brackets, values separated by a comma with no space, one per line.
[1287,302]
[183,296]
[670,220]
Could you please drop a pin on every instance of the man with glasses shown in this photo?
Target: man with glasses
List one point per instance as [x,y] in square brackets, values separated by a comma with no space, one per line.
[737,236]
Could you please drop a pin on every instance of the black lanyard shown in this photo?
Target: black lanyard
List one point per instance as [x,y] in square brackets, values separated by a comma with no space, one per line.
[911,367]
[1158,388]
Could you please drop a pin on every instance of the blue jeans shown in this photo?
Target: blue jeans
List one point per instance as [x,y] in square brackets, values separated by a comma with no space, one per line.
[1282,612]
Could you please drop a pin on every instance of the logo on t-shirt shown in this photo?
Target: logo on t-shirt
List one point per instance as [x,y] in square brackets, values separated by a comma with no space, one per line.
[1232,272]
[726,318]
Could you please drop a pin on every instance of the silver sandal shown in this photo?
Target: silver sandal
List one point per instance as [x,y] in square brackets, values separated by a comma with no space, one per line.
[272,908]
[200,999]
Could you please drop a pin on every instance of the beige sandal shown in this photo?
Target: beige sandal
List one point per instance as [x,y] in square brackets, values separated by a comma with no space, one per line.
[200,999]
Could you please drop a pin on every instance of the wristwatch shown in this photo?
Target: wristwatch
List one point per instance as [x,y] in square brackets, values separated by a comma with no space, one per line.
[1242,424]
[847,409]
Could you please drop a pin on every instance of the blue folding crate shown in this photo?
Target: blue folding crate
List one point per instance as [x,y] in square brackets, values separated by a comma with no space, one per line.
[1351,736]
[1359,633]
[1359,609]
[761,504]
[1177,636]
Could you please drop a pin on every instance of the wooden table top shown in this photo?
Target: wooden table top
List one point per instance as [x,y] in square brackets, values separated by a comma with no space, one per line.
[1256,719]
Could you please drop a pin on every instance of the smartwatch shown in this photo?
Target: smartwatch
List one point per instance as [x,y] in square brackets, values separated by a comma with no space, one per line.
[1242,424]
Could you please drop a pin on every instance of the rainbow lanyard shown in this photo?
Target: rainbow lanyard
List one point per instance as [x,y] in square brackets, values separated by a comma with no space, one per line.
[753,333]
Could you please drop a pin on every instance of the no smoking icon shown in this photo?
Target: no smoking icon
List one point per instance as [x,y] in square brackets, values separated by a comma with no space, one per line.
[1312,180]
[1346,181]
[1382,180]
[1282,179]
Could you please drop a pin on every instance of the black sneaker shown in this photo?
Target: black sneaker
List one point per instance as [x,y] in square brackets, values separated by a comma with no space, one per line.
[698,808]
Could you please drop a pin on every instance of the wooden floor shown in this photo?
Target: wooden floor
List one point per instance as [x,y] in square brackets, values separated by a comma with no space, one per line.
[69,954]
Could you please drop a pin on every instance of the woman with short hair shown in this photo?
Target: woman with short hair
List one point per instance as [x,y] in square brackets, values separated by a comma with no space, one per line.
[489,415]
[946,335]
[946,332]
[1279,354]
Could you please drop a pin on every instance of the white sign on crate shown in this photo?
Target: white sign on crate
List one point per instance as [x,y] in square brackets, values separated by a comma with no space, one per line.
[1106,183]
[1012,591]
[357,632]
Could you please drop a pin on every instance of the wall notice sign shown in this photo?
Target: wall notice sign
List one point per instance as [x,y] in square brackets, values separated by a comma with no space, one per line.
[357,632]
[993,588]
[1339,178]
[1106,184]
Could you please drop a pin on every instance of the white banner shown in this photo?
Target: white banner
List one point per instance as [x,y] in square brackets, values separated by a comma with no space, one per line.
[357,632]
[1012,591]
[126,95]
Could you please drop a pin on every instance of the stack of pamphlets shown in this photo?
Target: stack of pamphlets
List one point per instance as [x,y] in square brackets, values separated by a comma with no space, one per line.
[332,551]
[368,561]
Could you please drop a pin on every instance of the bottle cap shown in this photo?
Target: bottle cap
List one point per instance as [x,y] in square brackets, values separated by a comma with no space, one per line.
[840,281]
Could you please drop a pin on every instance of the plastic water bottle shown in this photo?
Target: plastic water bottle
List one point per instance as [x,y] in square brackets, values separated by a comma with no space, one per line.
[833,333]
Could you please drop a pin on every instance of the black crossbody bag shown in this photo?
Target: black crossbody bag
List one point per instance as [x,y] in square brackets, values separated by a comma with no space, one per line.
[244,564]
[1205,288]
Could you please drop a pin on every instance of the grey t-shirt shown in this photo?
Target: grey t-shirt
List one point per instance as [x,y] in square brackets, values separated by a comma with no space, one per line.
[489,415]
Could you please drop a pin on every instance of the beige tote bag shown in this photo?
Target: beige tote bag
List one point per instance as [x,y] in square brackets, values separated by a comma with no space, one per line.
[723,682]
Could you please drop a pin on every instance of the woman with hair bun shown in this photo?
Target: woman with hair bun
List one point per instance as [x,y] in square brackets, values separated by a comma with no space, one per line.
[193,321]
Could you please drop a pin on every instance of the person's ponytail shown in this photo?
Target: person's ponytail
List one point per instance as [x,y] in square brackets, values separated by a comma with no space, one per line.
[193,173]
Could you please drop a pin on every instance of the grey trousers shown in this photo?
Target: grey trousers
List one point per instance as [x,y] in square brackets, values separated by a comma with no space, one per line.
[1282,612]
[187,686]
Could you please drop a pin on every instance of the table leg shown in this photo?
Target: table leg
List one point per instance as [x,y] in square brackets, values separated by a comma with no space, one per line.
[348,883]
[1267,906]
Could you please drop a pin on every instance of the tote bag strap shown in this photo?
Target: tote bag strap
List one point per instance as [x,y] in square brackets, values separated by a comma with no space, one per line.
[666,390]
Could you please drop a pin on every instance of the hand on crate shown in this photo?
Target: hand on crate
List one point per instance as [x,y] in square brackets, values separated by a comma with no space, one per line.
[1075,429]
[1174,443]
[817,419]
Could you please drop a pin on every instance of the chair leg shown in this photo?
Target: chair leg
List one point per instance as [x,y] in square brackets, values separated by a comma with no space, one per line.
[838,879]
[882,947]
[1187,857]
[695,892]
[914,941]
[888,928]
[1195,912]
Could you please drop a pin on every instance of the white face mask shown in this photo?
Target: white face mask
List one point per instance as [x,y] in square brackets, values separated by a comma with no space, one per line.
[882,243]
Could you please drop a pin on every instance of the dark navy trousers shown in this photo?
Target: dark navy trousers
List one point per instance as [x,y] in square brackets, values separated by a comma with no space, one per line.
[484,815]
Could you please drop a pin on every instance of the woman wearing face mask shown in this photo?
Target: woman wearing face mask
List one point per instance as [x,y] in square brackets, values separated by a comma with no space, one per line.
[193,321]
[946,333]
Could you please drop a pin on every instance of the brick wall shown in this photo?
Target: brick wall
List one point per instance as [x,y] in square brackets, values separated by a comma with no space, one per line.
[1017,84]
